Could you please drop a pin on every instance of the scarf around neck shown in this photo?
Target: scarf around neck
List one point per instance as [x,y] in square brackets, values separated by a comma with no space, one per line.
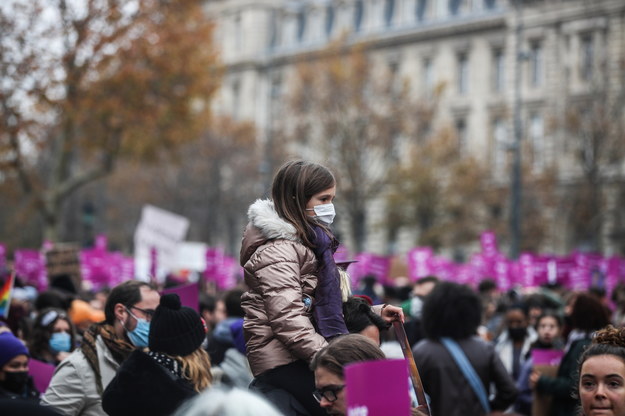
[328,305]
[120,348]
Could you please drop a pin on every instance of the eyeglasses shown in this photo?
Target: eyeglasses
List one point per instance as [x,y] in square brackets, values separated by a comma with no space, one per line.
[149,313]
[329,393]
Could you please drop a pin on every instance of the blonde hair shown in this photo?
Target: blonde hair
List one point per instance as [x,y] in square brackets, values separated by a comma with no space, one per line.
[196,367]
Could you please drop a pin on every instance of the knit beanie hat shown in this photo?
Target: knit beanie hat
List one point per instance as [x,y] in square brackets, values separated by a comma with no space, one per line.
[10,347]
[175,329]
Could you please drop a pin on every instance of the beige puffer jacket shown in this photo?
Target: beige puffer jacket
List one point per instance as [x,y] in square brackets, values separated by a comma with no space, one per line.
[280,272]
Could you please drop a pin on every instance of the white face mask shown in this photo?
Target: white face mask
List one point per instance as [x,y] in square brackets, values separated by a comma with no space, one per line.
[324,213]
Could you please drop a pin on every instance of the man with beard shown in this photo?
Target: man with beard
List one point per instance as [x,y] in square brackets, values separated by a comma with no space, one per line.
[79,380]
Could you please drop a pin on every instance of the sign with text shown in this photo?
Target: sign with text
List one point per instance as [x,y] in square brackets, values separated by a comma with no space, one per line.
[64,259]
[189,295]
[377,388]
[160,230]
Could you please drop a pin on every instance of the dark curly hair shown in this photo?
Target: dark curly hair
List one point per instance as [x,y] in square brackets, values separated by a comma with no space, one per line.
[358,315]
[451,310]
[607,341]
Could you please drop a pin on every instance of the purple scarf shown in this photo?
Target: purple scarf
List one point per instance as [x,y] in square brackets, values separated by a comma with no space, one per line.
[328,305]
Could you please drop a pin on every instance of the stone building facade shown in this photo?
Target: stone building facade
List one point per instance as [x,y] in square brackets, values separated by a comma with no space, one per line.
[501,61]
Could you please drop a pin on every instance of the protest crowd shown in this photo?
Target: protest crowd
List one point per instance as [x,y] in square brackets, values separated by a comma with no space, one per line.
[297,335]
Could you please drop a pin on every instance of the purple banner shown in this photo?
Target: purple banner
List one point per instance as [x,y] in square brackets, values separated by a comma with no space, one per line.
[488,241]
[378,388]
[546,357]
[189,295]
[420,262]
[41,373]
[30,266]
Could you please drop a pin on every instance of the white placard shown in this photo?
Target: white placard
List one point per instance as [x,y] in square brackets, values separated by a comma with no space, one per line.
[163,231]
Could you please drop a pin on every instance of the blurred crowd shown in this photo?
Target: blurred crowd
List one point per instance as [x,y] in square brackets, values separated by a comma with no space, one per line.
[129,350]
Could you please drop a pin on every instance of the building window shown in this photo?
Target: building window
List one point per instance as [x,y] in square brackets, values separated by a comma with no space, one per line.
[499,144]
[420,10]
[358,12]
[454,7]
[238,32]
[329,20]
[236,99]
[536,64]
[428,75]
[461,134]
[587,56]
[463,74]
[536,133]
[301,25]
[389,11]
[490,4]
[498,70]
[275,91]
[274,30]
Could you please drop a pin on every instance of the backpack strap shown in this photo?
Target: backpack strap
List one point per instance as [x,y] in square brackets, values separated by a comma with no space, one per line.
[467,369]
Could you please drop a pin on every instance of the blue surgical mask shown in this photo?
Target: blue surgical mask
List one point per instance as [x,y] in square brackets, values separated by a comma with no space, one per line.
[60,342]
[139,335]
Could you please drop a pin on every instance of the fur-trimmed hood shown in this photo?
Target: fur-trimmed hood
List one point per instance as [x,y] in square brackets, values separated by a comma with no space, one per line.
[265,224]
[263,216]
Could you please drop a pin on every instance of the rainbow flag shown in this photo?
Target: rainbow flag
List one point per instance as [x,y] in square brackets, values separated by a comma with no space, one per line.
[5,295]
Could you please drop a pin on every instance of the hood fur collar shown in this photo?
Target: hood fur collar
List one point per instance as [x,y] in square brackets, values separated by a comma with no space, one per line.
[263,216]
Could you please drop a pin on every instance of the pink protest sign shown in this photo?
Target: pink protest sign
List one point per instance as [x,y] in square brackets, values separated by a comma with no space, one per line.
[189,295]
[30,266]
[378,388]
[546,357]
[41,373]
[488,241]
[420,262]
[341,254]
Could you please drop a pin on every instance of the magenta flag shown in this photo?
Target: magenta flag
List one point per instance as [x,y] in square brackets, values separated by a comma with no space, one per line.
[546,357]
[420,262]
[503,273]
[378,388]
[379,266]
[214,258]
[189,295]
[101,242]
[526,270]
[41,373]
[443,268]
[341,254]
[30,265]
[488,241]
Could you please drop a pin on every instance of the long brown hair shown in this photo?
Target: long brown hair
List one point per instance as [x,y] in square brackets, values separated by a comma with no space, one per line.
[293,186]
[196,367]
[344,350]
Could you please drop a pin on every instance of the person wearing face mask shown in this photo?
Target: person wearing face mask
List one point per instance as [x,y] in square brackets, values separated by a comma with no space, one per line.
[175,369]
[15,382]
[548,328]
[53,336]
[514,342]
[294,304]
[79,380]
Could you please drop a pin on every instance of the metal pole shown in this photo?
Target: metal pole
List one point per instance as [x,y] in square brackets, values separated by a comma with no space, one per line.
[516,183]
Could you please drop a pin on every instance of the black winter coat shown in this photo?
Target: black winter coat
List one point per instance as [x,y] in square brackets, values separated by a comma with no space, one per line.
[144,387]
